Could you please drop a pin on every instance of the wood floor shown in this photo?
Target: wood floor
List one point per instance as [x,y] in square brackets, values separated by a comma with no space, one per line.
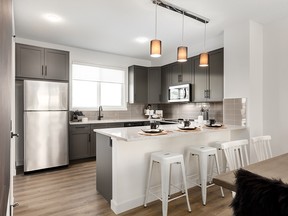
[72,192]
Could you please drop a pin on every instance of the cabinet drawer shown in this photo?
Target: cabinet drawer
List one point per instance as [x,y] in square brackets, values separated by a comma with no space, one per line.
[80,129]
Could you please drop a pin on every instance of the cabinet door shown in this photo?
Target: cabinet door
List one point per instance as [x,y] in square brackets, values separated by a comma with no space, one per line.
[165,83]
[79,146]
[138,84]
[93,134]
[79,141]
[216,69]
[56,64]
[154,85]
[29,61]
[186,68]
[176,74]
[200,80]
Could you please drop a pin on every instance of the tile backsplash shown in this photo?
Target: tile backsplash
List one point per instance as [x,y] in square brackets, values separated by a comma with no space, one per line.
[192,110]
[234,110]
[134,111]
[170,111]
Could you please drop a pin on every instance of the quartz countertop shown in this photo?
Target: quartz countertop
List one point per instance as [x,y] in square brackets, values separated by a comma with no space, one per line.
[132,133]
[102,121]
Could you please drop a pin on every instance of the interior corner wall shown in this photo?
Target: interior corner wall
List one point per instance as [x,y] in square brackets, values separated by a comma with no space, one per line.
[236,61]
[256,79]
[275,101]
[243,71]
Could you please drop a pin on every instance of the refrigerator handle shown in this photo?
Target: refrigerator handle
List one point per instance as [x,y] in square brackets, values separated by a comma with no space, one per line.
[42,70]
[45,70]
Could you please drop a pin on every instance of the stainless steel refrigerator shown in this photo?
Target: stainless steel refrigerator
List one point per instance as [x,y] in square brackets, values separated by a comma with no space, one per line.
[45,125]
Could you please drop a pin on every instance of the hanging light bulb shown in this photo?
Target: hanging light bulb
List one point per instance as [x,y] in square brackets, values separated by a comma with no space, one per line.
[182,51]
[204,58]
[155,45]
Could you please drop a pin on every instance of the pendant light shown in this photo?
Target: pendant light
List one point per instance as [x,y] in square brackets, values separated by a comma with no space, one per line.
[204,58]
[182,51]
[155,45]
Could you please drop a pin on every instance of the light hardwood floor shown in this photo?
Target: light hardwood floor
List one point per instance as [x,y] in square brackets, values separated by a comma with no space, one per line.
[72,192]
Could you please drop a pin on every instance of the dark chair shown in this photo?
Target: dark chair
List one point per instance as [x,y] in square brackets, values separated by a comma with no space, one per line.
[259,196]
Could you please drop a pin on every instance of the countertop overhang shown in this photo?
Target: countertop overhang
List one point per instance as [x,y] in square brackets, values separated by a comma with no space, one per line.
[132,133]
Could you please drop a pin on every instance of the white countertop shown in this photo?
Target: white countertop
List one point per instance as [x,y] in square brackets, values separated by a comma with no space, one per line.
[102,121]
[132,133]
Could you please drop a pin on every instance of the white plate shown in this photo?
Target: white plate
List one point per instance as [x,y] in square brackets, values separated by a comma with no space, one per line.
[152,130]
[187,128]
[214,125]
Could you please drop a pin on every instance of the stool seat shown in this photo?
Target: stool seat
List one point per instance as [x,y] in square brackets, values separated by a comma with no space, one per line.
[203,153]
[166,159]
[202,149]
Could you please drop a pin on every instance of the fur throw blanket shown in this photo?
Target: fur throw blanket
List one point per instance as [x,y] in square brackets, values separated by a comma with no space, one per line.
[259,196]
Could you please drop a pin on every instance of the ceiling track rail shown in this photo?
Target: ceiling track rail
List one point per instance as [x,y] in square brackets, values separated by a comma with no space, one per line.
[181,11]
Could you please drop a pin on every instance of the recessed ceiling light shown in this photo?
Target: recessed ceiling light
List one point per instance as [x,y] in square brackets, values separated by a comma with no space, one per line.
[141,39]
[53,18]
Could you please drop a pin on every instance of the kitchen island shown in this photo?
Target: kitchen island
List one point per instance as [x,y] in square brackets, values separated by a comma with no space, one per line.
[123,157]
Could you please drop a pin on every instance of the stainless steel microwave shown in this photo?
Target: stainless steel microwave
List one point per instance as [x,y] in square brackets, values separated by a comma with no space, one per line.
[179,93]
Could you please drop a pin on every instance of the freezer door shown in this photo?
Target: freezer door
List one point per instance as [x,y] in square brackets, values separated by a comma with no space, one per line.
[42,95]
[45,139]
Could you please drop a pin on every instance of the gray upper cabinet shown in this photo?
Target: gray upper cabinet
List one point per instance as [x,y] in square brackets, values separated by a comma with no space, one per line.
[138,84]
[57,64]
[154,85]
[144,84]
[41,63]
[165,82]
[216,74]
[181,72]
[175,74]
[209,80]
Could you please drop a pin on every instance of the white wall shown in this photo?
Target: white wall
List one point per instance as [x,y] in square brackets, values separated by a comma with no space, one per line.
[243,71]
[275,80]
[236,61]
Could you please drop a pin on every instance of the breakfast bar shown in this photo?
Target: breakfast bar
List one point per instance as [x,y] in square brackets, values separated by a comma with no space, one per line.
[123,156]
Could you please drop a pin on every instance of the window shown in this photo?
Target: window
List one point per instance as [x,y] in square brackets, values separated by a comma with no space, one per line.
[93,86]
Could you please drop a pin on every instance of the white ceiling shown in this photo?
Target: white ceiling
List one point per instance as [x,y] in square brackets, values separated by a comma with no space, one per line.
[113,25]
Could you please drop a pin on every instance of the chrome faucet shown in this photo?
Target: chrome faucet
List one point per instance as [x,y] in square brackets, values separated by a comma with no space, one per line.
[100,115]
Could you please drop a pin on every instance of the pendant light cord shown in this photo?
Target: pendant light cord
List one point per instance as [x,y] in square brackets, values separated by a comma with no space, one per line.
[205,38]
[156,19]
[183,28]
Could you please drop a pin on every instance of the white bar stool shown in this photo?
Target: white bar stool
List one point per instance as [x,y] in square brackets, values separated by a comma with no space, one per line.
[166,159]
[223,161]
[203,153]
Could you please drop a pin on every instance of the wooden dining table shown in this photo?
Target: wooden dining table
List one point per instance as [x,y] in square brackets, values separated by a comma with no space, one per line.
[274,168]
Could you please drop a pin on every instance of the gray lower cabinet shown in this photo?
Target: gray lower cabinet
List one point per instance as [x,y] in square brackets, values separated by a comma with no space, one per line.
[79,142]
[100,126]
[41,63]
[82,139]
[104,166]
[209,80]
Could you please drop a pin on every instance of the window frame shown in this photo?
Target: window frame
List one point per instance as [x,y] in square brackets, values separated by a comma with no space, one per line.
[123,107]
